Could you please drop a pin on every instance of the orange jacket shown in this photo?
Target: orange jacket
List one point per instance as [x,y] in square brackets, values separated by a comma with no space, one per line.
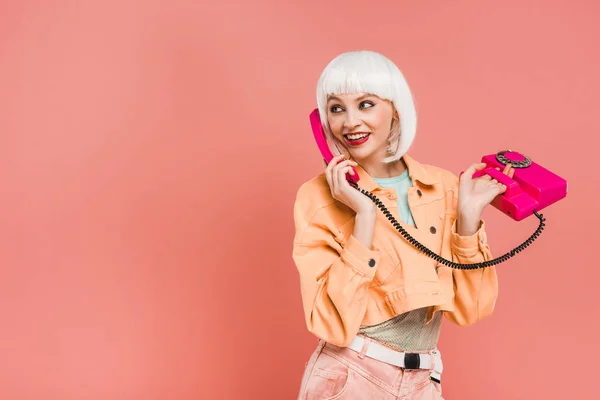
[345,285]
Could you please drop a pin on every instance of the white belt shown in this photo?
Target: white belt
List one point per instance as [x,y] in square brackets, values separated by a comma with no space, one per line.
[432,360]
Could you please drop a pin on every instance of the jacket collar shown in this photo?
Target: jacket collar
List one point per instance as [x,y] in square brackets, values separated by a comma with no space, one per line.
[416,171]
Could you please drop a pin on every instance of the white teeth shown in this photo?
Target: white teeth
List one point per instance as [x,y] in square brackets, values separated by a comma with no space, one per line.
[356,137]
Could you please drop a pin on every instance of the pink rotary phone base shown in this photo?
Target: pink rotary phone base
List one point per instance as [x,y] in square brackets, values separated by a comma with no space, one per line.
[532,187]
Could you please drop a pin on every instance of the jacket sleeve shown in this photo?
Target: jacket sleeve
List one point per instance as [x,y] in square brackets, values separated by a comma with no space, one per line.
[334,279]
[475,291]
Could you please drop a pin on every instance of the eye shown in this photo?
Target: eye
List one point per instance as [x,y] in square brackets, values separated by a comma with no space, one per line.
[366,104]
[335,108]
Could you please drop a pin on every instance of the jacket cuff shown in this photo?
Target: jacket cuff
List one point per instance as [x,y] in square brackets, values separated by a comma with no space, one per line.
[469,246]
[360,257]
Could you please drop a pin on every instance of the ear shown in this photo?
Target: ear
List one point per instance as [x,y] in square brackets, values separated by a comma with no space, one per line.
[395,115]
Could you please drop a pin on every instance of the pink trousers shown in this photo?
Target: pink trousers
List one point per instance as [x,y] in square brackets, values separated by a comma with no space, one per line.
[341,373]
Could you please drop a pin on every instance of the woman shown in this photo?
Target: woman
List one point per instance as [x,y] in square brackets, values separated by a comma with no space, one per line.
[374,301]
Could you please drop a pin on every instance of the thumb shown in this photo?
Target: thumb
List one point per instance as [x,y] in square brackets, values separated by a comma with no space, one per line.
[468,174]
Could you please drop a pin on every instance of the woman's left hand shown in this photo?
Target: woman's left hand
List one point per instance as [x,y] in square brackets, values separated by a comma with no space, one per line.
[474,194]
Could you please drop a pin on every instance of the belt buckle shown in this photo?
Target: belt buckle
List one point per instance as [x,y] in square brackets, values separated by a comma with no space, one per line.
[412,361]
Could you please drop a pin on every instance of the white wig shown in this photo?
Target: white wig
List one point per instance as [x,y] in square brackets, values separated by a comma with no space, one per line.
[373,73]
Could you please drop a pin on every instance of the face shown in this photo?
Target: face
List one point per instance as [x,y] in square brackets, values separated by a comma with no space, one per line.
[361,123]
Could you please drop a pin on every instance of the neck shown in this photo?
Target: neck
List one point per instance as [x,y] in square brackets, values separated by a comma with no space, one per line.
[383,170]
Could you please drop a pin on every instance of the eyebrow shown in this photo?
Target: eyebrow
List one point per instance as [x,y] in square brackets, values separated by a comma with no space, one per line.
[359,98]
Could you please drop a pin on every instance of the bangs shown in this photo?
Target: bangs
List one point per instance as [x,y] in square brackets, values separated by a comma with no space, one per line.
[359,77]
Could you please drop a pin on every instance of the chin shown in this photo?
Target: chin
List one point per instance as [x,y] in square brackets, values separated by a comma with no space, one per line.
[362,153]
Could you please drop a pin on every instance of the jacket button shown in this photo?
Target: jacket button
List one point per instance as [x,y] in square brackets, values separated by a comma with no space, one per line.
[432,229]
[371,263]
[419,193]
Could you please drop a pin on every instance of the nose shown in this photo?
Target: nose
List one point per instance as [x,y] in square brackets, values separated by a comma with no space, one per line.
[352,120]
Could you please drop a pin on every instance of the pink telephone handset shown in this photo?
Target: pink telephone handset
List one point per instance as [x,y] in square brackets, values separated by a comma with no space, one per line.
[317,128]
[531,188]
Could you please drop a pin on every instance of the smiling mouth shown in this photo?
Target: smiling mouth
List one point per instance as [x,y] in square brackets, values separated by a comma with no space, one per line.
[358,138]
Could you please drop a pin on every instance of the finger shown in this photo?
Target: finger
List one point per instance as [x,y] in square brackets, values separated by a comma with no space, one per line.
[511,171]
[341,175]
[506,169]
[338,177]
[473,168]
[341,181]
[351,170]
[334,161]
[346,163]
[334,179]
[486,177]
[348,170]
[329,174]
[328,167]
[344,167]
[330,182]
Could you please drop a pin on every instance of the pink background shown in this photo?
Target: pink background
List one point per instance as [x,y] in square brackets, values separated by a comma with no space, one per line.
[150,153]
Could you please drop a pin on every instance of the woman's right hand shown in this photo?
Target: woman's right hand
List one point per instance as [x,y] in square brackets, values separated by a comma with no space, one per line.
[341,189]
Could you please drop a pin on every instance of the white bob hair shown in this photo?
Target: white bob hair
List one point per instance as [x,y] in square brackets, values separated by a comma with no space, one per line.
[370,72]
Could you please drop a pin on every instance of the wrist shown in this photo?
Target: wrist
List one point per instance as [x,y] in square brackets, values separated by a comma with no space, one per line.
[364,226]
[370,212]
[469,211]
[467,224]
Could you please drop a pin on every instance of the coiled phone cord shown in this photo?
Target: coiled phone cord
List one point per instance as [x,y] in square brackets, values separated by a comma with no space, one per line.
[440,259]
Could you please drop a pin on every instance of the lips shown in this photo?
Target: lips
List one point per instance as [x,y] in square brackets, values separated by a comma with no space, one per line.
[357,138]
